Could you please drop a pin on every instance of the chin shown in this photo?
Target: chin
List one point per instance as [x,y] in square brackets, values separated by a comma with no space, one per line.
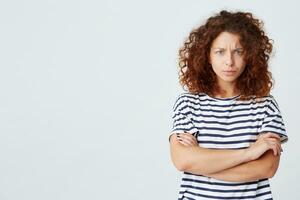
[229,79]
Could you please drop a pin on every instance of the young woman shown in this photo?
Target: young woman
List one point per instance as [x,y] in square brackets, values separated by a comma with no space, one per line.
[227,128]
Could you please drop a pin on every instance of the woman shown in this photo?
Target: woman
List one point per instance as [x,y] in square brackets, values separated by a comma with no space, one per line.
[228,128]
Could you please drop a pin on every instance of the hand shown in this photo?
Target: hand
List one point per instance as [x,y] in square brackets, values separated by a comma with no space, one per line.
[187,139]
[263,143]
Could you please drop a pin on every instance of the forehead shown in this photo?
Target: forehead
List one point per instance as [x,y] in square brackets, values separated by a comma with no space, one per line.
[226,39]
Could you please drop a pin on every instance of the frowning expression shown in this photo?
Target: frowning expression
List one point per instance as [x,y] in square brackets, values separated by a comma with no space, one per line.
[227,57]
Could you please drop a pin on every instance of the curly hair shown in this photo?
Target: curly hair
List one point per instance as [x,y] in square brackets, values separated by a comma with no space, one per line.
[196,73]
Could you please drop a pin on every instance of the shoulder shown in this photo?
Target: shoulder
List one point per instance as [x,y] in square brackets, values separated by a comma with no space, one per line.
[264,99]
[188,95]
[273,106]
[185,98]
[269,102]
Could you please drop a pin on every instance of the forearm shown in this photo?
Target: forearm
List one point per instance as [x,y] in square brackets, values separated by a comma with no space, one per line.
[198,160]
[203,160]
[264,167]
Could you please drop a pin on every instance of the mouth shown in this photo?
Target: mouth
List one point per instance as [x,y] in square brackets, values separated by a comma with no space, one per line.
[229,72]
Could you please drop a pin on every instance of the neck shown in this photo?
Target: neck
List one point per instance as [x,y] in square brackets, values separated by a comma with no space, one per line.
[227,90]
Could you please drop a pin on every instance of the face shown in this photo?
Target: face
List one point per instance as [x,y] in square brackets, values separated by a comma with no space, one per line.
[227,58]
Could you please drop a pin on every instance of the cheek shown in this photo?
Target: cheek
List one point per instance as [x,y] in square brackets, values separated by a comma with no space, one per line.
[241,64]
[216,69]
[216,62]
[242,68]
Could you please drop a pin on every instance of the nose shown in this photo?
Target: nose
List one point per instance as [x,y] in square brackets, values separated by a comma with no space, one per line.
[229,59]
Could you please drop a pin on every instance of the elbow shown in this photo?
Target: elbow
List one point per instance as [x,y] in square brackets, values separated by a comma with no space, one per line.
[181,164]
[272,171]
[179,155]
[180,167]
[270,174]
[271,164]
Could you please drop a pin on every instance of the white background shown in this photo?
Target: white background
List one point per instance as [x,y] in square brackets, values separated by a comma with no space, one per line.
[87,87]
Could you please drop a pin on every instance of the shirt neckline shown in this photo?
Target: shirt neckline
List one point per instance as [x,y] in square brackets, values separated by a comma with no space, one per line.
[226,99]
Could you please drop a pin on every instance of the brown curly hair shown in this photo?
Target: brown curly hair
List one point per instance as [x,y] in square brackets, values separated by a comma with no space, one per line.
[195,71]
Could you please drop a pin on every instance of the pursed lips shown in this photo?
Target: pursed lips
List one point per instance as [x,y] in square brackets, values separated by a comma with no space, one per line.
[229,73]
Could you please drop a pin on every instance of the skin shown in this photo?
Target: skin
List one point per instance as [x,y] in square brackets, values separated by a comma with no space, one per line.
[258,161]
[263,143]
[227,61]
[258,165]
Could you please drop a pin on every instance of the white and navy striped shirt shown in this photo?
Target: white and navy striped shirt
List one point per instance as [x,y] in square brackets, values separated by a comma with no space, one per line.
[225,123]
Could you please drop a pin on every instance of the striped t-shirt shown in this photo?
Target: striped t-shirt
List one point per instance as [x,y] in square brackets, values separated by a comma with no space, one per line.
[225,123]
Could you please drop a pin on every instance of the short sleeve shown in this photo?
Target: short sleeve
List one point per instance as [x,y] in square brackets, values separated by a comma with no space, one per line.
[273,121]
[180,117]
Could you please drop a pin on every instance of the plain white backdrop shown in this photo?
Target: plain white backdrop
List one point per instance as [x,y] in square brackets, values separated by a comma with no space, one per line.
[87,87]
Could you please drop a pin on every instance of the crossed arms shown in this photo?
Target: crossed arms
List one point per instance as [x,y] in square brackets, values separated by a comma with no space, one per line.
[226,165]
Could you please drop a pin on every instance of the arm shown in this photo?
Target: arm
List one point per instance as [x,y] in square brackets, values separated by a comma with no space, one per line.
[264,167]
[198,160]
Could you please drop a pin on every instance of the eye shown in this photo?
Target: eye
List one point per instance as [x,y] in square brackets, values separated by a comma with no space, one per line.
[239,52]
[219,52]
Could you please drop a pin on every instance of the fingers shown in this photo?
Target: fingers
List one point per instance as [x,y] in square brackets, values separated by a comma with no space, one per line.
[269,134]
[276,142]
[273,140]
[187,139]
[275,145]
[279,147]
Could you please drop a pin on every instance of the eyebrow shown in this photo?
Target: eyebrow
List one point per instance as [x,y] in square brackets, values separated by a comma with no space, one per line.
[239,48]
